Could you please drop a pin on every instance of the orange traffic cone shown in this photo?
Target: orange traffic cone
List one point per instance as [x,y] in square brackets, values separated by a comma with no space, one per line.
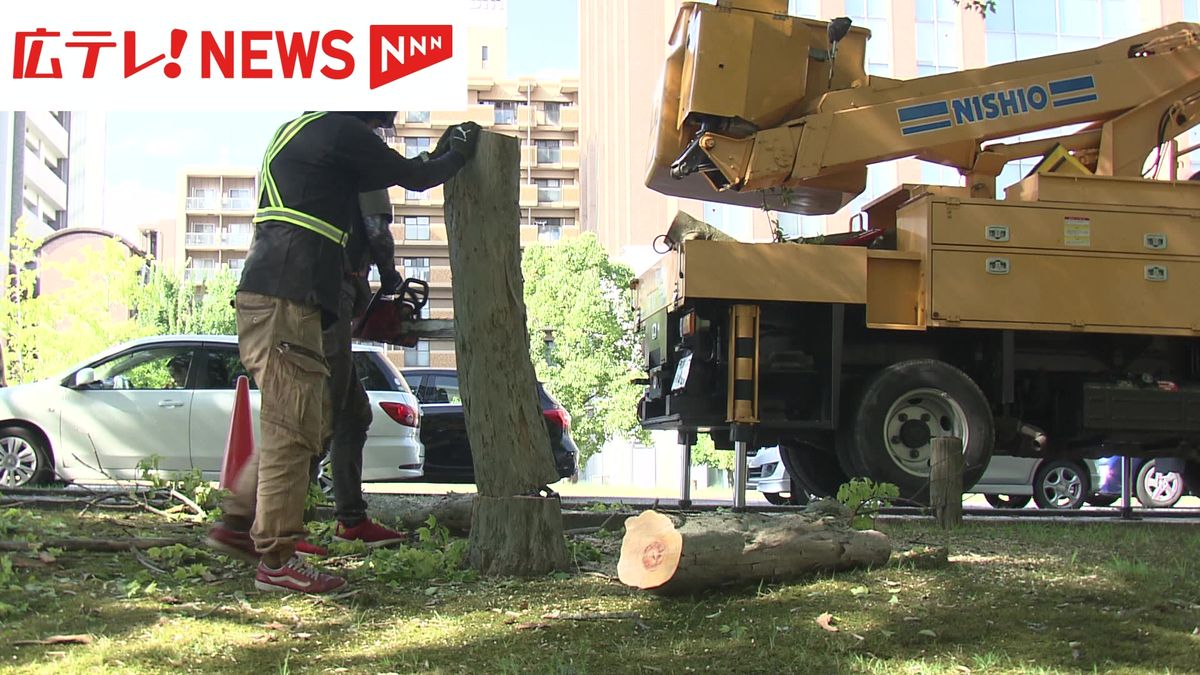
[240,445]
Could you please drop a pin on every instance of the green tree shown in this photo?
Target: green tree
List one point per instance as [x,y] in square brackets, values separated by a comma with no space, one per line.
[574,289]
[53,329]
[168,305]
[705,452]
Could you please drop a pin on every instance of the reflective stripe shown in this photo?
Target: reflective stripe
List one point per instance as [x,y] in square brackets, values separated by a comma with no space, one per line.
[303,220]
[275,210]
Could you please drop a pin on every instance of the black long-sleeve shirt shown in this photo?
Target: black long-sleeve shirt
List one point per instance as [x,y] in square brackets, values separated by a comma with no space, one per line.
[321,172]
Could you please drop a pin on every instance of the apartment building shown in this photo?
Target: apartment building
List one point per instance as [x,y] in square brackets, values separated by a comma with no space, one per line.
[51,171]
[214,222]
[623,46]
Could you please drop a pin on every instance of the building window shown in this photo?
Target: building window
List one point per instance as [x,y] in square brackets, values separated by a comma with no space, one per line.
[416,268]
[809,9]
[484,54]
[938,37]
[417,356]
[549,152]
[203,198]
[549,229]
[1191,10]
[505,112]
[1057,26]
[416,228]
[416,117]
[239,199]
[553,110]
[200,234]
[549,189]
[875,15]
[236,265]
[414,146]
[239,235]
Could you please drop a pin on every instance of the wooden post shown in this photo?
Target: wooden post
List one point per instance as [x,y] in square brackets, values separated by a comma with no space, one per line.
[514,531]
[946,481]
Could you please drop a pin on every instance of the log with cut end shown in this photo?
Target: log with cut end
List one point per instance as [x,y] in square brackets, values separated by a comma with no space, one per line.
[682,554]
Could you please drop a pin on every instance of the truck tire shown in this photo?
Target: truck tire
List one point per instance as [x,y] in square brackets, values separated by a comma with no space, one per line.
[813,471]
[889,437]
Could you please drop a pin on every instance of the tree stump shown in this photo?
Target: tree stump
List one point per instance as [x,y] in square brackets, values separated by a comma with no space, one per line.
[946,481]
[510,448]
[669,556]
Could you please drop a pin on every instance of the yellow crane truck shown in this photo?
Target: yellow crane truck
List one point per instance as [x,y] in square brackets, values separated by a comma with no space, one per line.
[1061,320]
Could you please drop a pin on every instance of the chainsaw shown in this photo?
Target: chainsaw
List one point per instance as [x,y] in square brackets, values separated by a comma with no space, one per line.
[395,319]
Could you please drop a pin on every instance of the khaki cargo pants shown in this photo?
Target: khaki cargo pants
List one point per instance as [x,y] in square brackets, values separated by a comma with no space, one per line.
[280,345]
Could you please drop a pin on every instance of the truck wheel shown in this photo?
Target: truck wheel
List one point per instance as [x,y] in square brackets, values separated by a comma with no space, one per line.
[1157,489]
[1061,484]
[901,410]
[813,471]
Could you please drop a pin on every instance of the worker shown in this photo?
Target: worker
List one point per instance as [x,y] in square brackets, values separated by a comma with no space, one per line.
[311,176]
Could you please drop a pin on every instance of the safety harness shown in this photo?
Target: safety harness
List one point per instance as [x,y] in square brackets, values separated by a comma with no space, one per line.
[275,210]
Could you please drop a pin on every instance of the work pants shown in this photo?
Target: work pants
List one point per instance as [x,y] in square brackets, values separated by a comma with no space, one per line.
[280,344]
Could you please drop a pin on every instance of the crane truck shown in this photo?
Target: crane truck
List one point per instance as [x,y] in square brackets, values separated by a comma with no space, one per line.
[1060,320]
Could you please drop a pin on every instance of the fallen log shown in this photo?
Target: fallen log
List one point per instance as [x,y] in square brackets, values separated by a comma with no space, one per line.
[681,554]
[452,512]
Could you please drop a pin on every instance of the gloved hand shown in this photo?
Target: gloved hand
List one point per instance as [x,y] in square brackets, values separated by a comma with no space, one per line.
[389,281]
[460,138]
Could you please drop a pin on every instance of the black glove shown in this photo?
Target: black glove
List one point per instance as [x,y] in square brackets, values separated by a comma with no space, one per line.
[389,281]
[460,138]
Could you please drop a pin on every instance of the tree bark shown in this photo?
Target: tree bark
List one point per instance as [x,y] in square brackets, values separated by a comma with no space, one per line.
[687,554]
[946,481]
[510,448]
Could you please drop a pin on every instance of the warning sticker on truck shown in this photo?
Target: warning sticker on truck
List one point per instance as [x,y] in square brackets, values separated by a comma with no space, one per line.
[1077,231]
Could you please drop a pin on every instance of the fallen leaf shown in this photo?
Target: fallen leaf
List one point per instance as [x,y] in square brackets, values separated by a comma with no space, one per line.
[46,557]
[208,577]
[826,621]
[926,632]
[894,600]
[1076,649]
[912,618]
[58,640]
[857,637]
[275,625]
[302,636]
[859,590]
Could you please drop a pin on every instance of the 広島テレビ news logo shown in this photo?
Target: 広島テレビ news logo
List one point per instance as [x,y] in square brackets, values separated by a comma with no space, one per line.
[86,61]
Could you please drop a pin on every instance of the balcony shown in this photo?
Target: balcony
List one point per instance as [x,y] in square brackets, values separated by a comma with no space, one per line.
[525,116]
[568,117]
[200,239]
[237,204]
[529,194]
[570,196]
[200,275]
[481,114]
[203,204]
[570,157]
[236,240]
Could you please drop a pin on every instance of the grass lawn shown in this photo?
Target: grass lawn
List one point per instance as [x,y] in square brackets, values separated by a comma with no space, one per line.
[1027,598]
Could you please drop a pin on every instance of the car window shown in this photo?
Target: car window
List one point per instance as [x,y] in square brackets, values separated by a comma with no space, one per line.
[222,368]
[442,389]
[153,368]
[372,376]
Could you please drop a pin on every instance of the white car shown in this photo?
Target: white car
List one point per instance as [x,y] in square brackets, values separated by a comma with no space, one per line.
[172,396]
[766,473]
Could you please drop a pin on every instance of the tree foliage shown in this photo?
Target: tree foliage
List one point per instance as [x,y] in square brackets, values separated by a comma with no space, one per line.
[107,296]
[981,6]
[574,289]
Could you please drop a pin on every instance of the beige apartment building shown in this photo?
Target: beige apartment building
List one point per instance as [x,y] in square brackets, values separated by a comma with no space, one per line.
[623,46]
[214,222]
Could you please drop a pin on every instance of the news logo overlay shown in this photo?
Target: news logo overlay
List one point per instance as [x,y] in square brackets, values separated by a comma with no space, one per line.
[72,55]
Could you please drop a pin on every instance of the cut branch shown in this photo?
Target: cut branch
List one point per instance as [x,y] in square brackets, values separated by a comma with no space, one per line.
[81,544]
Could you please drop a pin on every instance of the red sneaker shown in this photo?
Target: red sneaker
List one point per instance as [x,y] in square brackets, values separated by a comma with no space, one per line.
[371,533]
[234,543]
[295,577]
[305,548]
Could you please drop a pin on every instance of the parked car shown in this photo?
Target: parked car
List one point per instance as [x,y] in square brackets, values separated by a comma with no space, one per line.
[1010,482]
[172,397]
[444,430]
[765,472]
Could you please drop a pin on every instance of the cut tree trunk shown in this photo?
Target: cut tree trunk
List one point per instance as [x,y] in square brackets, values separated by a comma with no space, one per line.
[510,448]
[670,556]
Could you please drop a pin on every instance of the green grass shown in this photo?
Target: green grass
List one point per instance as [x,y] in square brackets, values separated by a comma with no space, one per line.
[1027,598]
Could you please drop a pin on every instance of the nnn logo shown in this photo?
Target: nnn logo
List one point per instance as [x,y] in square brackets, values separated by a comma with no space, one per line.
[398,51]
[926,117]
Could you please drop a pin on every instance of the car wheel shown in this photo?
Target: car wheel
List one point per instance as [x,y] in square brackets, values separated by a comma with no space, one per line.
[1157,489]
[1061,484]
[1102,500]
[1007,501]
[901,410]
[776,498]
[813,471]
[24,458]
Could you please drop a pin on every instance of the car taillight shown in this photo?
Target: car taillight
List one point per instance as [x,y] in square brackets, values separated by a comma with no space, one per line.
[559,416]
[401,412]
